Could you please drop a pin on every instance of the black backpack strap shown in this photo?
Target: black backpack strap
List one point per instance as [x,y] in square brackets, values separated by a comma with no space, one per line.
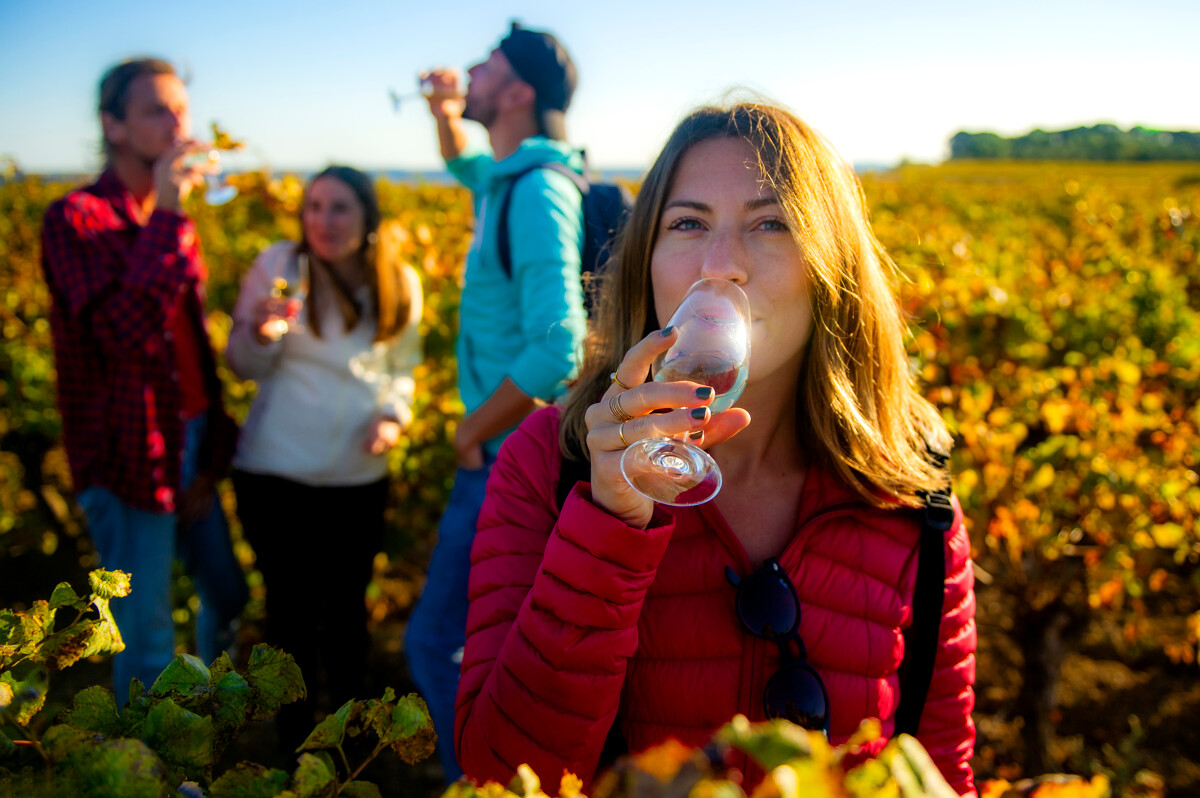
[570,471]
[502,243]
[921,637]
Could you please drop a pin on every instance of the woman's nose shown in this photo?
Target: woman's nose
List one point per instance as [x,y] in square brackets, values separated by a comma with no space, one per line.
[726,258]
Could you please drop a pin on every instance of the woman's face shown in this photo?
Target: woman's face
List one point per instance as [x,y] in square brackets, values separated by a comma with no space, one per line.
[720,221]
[333,220]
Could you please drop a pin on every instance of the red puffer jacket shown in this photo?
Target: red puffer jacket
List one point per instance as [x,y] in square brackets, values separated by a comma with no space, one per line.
[576,619]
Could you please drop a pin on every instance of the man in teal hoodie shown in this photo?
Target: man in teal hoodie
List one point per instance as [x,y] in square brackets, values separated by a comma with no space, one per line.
[519,333]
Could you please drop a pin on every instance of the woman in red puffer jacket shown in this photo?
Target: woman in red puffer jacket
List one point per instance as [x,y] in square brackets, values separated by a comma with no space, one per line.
[618,613]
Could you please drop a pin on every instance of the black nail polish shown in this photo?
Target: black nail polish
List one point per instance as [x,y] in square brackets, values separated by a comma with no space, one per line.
[668,330]
[704,393]
[697,435]
[699,413]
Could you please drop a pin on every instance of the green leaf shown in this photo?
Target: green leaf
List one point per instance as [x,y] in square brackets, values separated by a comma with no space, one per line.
[248,780]
[60,740]
[65,596]
[330,732]
[26,695]
[313,775]
[183,739]
[412,736]
[275,679]
[219,667]
[93,709]
[360,789]
[127,768]
[770,744]
[22,633]
[6,690]
[232,701]
[63,649]
[109,584]
[411,715]
[186,676]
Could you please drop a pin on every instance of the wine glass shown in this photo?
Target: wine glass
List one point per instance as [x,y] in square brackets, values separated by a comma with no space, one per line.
[287,299]
[424,92]
[218,192]
[713,349]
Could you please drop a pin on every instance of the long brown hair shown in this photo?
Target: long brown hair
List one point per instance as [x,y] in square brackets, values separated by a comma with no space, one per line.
[391,301]
[858,408]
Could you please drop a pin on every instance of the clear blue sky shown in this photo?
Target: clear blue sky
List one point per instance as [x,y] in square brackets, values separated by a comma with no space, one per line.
[306,83]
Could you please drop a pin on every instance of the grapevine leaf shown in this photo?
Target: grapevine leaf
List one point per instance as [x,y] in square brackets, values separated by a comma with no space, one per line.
[63,649]
[219,667]
[377,714]
[248,780]
[313,775]
[186,677]
[94,710]
[275,679]
[26,695]
[330,732]
[412,736]
[6,690]
[61,739]
[65,596]
[921,766]
[109,584]
[771,744]
[183,739]
[117,767]
[360,789]
[232,700]
[22,633]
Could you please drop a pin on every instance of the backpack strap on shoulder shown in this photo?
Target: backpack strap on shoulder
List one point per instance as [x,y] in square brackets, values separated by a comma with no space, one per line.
[570,471]
[502,242]
[921,637]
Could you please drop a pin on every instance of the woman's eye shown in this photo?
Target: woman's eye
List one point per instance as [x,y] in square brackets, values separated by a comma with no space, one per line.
[775,225]
[685,223]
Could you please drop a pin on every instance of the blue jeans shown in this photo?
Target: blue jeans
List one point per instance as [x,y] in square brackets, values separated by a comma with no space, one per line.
[437,629]
[144,545]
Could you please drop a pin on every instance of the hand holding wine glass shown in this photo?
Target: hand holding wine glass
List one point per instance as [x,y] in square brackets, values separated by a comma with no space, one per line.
[219,191]
[712,349]
[279,313]
[435,85]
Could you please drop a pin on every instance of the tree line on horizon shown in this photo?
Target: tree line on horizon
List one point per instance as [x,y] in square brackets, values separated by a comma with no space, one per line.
[1102,142]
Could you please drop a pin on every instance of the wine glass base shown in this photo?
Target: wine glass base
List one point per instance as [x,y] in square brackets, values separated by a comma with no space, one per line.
[671,472]
[220,195]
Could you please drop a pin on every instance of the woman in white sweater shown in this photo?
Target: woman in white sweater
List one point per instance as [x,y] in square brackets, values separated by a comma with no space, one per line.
[335,390]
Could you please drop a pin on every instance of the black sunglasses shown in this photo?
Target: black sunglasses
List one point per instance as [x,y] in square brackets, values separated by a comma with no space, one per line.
[769,607]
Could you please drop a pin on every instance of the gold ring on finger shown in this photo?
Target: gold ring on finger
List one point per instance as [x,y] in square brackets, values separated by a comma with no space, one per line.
[615,379]
[621,434]
[614,407]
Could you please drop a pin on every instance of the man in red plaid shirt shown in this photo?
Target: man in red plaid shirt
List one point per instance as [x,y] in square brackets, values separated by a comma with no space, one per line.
[144,428]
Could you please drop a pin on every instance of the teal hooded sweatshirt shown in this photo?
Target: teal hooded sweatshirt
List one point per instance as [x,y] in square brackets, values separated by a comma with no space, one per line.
[530,326]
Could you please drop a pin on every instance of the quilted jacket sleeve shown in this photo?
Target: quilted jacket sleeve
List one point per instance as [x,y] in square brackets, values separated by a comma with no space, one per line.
[554,606]
[946,729]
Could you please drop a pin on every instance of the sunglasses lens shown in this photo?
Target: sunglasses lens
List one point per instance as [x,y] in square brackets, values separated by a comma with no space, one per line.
[796,693]
[768,606]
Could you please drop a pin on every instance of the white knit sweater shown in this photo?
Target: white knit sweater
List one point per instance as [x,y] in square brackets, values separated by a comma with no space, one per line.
[318,397]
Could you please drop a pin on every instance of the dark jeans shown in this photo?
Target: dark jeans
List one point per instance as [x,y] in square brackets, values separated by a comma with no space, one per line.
[315,547]
[437,629]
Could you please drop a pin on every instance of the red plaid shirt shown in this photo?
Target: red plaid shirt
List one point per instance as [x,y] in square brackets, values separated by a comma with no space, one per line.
[116,289]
